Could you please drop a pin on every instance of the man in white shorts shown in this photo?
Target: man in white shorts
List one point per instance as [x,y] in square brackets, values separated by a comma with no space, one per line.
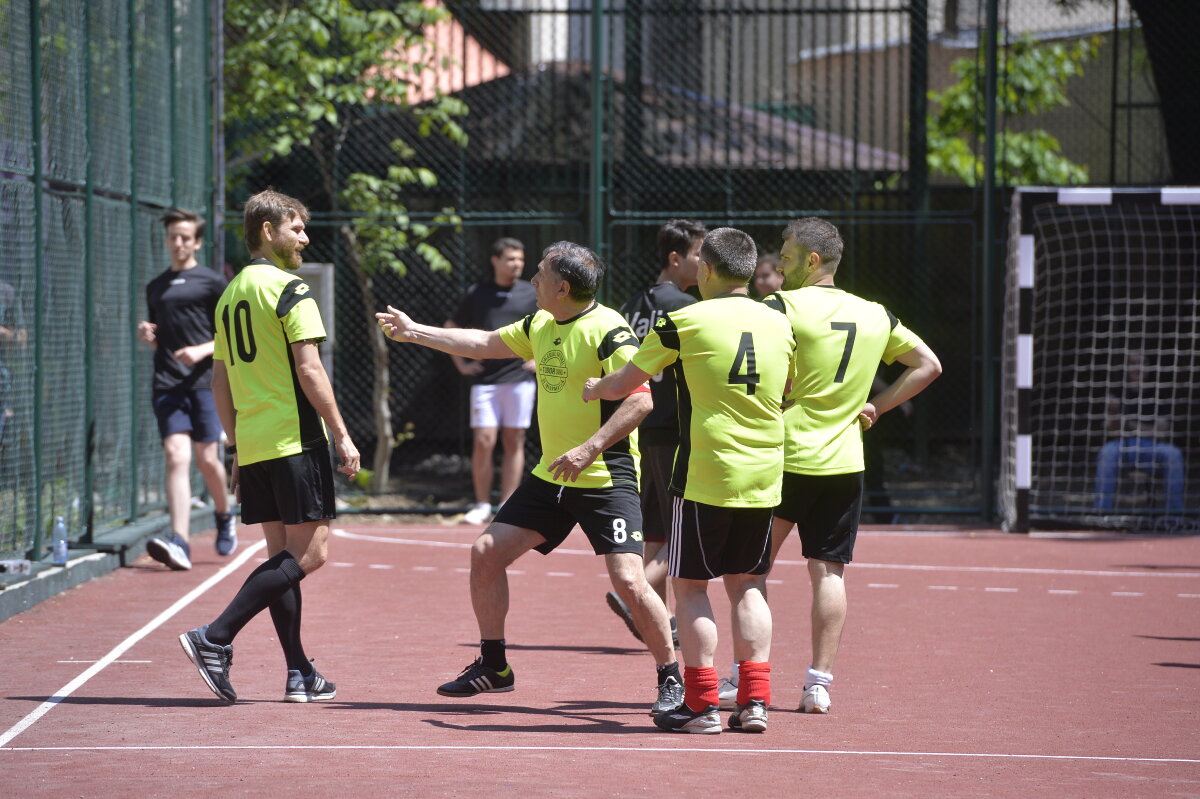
[502,391]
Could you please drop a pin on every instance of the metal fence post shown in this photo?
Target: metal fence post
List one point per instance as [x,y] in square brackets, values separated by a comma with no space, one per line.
[39,258]
[988,378]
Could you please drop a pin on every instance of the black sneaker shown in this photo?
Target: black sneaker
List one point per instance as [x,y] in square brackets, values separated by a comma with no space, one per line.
[684,719]
[670,697]
[618,607]
[226,541]
[750,717]
[313,688]
[479,679]
[172,550]
[211,660]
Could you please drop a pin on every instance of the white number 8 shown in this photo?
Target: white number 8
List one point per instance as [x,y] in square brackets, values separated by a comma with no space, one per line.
[619,534]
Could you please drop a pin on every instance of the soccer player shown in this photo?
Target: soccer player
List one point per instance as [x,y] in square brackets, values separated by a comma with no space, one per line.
[840,340]
[180,302]
[278,410]
[678,244]
[502,390]
[731,360]
[588,471]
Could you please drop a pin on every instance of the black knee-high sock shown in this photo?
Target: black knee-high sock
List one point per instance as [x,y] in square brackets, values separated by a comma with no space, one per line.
[264,585]
[285,613]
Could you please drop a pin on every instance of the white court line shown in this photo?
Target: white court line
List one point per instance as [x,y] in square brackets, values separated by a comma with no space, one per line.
[857,565]
[633,749]
[943,587]
[1002,590]
[380,566]
[883,585]
[1189,596]
[1128,593]
[563,574]
[96,661]
[1002,570]
[1061,591]
[124,646]
[427,568]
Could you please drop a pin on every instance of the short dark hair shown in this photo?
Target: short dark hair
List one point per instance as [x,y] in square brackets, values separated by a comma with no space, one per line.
[179,215]
[269,206]
[506,243]
[580,266]
[731,252]
[814,234]
[677,235]
[768,258]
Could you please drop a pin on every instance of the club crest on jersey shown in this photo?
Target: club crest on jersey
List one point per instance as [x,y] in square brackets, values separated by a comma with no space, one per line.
[552,371]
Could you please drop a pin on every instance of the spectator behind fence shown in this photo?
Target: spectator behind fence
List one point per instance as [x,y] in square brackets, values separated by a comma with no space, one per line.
[767,277]
[1141,423]
[13,335]
[502,390]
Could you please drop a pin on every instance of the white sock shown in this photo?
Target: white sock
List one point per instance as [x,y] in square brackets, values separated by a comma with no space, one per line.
[813,677]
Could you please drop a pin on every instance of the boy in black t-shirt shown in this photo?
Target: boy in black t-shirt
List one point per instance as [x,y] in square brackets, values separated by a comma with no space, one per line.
[502,391]
[181,302]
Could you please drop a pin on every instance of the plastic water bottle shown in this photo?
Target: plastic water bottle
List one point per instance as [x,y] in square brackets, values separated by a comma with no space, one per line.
[58,537]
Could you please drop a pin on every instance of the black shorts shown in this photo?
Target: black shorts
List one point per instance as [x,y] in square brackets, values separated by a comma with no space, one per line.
[825,509]
[708,541]
[610,517]
[657,462]
[293,490]
[192,411]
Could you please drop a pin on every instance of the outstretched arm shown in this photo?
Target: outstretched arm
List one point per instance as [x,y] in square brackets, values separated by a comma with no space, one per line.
[923,368]
[455,340]
[628,416]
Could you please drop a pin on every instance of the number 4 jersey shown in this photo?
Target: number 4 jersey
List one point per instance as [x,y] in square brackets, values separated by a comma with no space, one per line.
[840,340]
[731,358]
[263,311]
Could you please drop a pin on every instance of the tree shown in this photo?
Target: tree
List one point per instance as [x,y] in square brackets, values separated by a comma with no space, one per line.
[1033,79]
[305,74]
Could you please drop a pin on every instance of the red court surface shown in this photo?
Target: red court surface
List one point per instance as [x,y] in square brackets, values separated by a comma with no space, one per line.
[972,665]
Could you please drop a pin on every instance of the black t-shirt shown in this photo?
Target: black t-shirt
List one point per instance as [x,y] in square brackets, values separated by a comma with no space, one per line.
[489,306]
[182,304]
[642,311]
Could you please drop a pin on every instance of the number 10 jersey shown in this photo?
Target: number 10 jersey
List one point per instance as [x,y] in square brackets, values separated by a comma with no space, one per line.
[262,312]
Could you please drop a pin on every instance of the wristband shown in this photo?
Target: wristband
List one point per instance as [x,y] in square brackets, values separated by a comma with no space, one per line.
[231,449]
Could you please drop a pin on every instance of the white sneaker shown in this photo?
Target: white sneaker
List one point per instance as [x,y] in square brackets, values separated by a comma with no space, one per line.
[479,513]
[815,700]
[727,693]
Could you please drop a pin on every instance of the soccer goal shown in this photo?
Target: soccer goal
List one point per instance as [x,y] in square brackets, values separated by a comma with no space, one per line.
[1100,400]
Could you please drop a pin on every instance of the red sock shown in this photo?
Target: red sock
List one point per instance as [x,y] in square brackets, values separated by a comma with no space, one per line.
[700,687]
[754,682]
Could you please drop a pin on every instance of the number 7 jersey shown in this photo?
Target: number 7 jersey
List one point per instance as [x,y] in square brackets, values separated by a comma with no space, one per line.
[731,358]
[262,312]
[840,340]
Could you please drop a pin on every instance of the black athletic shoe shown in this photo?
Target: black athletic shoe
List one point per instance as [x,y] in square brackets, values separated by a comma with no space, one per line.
[211,660]
[171,550]
[226,541]
[479,679]
[670,697]
[313,688]
[684,719]
[619,608]
[750,717]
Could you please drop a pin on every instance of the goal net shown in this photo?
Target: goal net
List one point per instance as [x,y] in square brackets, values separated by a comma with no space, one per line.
[1100,403]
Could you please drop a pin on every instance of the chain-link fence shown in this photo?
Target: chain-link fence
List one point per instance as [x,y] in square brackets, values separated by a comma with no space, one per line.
[596,122]
[103,125]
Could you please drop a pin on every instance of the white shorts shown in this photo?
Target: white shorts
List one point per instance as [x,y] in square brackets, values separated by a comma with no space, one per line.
[503,405]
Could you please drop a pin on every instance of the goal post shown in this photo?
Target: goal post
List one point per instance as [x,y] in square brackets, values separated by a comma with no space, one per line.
[1100,398]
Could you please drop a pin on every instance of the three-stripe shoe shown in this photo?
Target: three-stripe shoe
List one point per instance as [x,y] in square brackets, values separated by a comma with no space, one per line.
[750,717]
[670,696]
[684,719]
[477,678]
[313,688]
[211,660]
